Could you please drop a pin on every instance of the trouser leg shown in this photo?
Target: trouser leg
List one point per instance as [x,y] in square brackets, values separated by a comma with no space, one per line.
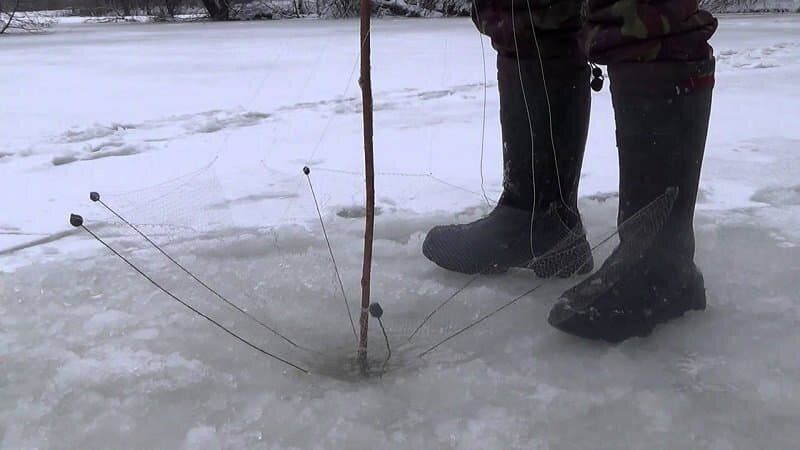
[646,30]
[511,24]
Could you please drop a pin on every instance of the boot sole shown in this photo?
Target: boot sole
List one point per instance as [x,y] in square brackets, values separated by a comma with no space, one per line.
[575,323]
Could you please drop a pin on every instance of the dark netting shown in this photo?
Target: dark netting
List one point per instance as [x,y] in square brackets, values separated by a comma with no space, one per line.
[177,209]
[209,261]
[638,234]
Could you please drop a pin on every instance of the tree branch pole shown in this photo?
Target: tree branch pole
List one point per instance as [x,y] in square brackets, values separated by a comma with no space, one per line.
[365,81]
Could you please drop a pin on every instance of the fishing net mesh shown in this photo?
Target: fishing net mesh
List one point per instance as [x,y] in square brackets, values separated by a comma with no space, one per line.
[190,217]
[180,208]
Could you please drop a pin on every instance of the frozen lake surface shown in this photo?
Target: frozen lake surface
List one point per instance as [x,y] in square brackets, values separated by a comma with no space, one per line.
[198,132]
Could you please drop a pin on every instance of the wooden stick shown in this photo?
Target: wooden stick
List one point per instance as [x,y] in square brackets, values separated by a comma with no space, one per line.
[366,94]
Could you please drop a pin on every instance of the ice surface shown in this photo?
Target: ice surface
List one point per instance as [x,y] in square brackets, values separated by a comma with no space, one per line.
[92,356]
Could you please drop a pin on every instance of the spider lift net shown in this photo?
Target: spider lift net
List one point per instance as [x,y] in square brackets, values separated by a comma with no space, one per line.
[280,271]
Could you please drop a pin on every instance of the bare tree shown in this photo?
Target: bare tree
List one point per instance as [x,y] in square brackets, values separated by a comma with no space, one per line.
[15,20]
[10,16]
[343,8]
[745,5]
[171,7]
[218,9]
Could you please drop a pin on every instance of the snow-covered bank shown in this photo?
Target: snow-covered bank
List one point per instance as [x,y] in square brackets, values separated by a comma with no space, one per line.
[91,356]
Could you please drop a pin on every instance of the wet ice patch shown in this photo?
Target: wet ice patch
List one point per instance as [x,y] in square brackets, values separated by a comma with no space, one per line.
[356,211]
[202,437]
[698,373]
[106,321]
[777,196]
[108,365]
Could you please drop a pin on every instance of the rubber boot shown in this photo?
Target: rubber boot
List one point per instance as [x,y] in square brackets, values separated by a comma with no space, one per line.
[662,111]
[535,215]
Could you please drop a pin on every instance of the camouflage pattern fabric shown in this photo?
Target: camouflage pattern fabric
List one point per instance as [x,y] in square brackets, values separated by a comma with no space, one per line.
[604,31]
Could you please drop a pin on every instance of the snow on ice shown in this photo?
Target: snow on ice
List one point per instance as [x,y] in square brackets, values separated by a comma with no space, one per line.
[92,356]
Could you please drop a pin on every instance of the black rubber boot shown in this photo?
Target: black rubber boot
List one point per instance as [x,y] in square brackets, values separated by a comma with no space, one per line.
[508,237]
[662,111]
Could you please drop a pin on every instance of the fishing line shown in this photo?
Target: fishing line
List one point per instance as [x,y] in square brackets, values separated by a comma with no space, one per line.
[95,197]
[481,319]
[507,304]
[530,126]
[315,149]
[77,221]
[442,304]
[405,174]
[454,186]
[530,123]
[549,109]
[483,121]
[344,92]
[663,203]
[184,179]
[388,346]
[549,255]
[307,172]
[390,174]
[530,119]
[376,311]
[253,95]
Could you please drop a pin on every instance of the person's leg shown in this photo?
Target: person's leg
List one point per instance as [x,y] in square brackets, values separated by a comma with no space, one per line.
[640,31]
[541,76]
[662,75]
[508,24]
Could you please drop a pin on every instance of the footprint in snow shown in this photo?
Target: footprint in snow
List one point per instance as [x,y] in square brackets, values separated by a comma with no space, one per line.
[95,132]
[759,58]
[778,196]
[115,139]
[430,95]
[356,212]
[254,198]
[97,153]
